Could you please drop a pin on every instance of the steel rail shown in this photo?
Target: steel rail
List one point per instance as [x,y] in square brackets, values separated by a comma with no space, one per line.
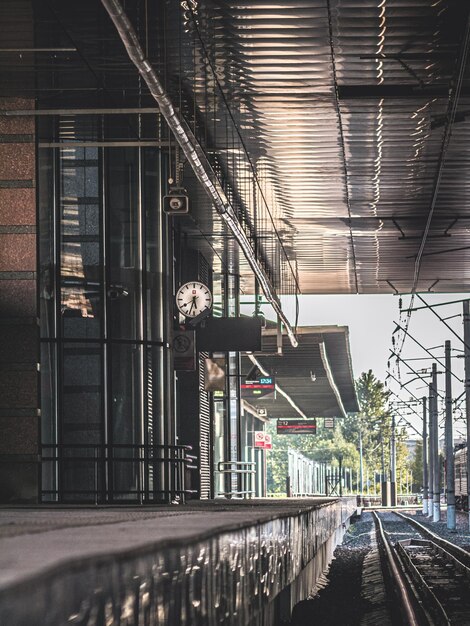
[456,551]
[433,606]
[195,155]
[401,588]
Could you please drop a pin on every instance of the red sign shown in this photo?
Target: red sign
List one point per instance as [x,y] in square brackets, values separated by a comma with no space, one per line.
[297,427]
[268,442]
[263,440]
[258,388]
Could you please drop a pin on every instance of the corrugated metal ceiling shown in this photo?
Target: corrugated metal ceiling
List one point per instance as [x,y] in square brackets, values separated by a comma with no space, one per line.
[342,106]
[337,106]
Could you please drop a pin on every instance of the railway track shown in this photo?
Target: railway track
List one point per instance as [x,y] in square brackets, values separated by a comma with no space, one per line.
[427,577]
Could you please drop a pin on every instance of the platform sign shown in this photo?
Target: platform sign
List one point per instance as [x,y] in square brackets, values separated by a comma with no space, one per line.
[297,427]
[259,438]
[263,440]
[258,387]
[329,422]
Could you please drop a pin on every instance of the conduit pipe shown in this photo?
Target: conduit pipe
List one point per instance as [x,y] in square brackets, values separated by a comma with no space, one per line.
[194,153]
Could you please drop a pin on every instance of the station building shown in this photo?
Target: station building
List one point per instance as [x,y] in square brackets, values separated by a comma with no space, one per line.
[255,151]
[96,405]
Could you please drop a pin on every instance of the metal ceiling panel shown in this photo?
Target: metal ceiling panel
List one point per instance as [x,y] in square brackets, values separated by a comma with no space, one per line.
[326,120]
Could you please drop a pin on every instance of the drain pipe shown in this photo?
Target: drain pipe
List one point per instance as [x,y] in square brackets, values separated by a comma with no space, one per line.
[194,153]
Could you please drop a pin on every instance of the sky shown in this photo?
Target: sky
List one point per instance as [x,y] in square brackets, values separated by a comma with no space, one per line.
[371,321]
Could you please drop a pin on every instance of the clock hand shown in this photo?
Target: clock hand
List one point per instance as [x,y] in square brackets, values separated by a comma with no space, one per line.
[193,303]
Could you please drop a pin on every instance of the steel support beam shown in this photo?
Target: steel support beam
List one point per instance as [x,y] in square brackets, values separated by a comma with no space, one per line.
[425,458]
[436,491]
[449,441]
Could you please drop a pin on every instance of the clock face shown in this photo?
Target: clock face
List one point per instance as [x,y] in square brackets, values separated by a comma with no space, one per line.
[193,298]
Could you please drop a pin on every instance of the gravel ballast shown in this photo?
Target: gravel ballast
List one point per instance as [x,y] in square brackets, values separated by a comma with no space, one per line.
[339,601]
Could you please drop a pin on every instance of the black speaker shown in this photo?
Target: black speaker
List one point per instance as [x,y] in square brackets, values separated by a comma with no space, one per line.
[176,202]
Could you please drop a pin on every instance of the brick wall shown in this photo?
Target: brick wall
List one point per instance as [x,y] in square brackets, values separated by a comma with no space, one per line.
[19,343]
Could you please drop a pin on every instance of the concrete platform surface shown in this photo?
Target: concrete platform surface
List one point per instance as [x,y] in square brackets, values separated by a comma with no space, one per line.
[239,563]
[33,539]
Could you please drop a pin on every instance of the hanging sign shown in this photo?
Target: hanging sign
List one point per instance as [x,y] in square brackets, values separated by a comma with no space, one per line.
[258,387]
[184,350]
[297,427]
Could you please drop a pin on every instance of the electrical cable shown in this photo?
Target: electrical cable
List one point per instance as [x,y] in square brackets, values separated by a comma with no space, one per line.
[444,322]
[430,354]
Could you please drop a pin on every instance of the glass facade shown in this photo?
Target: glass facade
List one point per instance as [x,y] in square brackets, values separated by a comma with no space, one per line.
[103,332]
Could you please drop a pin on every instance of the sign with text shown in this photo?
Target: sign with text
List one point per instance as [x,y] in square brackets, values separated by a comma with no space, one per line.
[297,427]
[329,422]
[258,387]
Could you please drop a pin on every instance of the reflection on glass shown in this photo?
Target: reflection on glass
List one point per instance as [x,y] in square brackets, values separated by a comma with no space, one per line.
[80,283]
[95,204]
[46,243]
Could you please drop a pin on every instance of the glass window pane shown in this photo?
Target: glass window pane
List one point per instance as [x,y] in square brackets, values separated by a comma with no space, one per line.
[46,242]
[81,413]
[48,418]
[81,282]
[82,394]
[123,255]
[153,245]
[126,420]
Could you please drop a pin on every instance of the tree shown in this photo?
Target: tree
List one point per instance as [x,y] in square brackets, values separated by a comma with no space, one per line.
[373,423]
[327,445]
[374,426]
[417,466]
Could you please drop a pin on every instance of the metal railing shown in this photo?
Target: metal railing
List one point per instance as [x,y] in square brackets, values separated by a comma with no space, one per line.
[118,473]
[241,477]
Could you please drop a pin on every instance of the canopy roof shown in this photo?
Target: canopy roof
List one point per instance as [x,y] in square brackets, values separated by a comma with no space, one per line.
[316,377]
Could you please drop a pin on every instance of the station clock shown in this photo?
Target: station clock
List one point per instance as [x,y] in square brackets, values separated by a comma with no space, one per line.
[193,298]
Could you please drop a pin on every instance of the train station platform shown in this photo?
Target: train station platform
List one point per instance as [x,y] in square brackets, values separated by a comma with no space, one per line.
[208,562]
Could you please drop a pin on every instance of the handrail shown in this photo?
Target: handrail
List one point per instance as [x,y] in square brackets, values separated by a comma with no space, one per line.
[244,470]
[155,470]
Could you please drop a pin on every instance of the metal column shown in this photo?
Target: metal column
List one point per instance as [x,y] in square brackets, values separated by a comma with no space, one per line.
[425,460]
[430,455]
[449,441]
[436,509]
[393,466]
[466,339]
[383,476]
[361,462]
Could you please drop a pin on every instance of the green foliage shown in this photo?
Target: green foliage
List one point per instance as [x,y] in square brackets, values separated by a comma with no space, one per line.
[373,425]
[417,466]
